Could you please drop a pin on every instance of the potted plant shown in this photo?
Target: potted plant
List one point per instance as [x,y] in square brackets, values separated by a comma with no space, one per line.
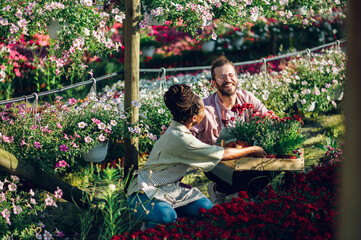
[148,44]
[94,123]
[54,136]
[277,136]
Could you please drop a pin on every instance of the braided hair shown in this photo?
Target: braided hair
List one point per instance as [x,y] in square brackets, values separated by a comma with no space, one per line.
[182,102]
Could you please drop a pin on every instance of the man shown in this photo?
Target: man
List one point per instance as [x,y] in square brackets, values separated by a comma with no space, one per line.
[217,113]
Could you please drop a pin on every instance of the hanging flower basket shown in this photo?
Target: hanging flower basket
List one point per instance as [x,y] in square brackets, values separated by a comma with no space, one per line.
[208,46]
[148,51]
[97,154]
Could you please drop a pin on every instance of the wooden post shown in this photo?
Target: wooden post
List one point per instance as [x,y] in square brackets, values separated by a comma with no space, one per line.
[131,77]
[351,167]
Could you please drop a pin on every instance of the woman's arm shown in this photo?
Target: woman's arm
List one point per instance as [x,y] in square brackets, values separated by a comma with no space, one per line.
[233,153]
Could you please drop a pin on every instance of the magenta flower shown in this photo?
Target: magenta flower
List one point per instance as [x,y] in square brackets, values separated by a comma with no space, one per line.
[37,145]
[72,101]
[96,121]
[61,164]
[63,148]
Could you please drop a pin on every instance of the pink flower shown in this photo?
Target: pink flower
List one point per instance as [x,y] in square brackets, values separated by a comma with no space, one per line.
[58,193]
[101,137]
[96,121]
[59,125]
[88,139]
[72,101]
[5,213]
[37,145]
[17,209]
[63,148]
[61,164]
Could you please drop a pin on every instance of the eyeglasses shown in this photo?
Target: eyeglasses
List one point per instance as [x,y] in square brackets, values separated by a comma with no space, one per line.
[224,77]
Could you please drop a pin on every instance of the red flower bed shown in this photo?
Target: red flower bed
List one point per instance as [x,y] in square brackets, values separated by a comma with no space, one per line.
[305,208]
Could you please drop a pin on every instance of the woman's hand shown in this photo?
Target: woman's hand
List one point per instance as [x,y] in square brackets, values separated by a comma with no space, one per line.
[258,152]
[233,153]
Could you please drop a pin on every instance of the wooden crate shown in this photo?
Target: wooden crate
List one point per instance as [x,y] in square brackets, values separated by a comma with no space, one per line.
[267,164]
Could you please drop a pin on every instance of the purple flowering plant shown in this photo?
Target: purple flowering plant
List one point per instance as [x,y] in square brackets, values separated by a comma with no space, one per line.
[20,209]
[53,137]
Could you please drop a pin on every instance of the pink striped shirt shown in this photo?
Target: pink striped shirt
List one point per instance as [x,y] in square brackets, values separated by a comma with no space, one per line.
[208,130]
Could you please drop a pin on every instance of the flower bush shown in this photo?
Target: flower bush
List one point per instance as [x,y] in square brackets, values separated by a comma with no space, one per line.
[84,32]
[311,83]
[54,138]
[305,207]
[277,136]
[20,210]
[190,15]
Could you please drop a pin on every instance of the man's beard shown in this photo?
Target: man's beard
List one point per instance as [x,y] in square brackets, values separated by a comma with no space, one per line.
[226,92]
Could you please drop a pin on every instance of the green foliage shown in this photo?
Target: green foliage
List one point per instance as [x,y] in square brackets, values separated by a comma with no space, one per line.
[279,136]
[189,16]
[19,210]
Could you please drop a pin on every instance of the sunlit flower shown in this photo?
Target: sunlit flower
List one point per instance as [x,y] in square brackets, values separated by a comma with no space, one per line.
[2,197]
[63,147]
[47,235]
[12,187]
[17,209]
[82,125]
[101,138]
[5,213]
[101,126]
[58,193]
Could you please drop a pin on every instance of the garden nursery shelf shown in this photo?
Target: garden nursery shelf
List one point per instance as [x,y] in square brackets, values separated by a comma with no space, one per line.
[267,164]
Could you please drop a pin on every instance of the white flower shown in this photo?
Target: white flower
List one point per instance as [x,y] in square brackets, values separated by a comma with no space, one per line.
[118,18]
[214,36]
[107,107]
[49,201]
[86,32]
[161,110]
[101,138]
[2,197]
[33,201]
[17,209]
[113,123]
[1,183]
[47,235]
[112,187]
[58,193]
[88,139]
[82,124]
[135,103]
[101,126]
[115,10]
[86,2]
[5,213]
[12,187]
[137,130]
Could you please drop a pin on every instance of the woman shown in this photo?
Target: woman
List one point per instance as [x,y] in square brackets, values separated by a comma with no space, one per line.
[157,193]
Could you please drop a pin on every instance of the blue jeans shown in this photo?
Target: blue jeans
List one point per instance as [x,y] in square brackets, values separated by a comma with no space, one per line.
[155,212]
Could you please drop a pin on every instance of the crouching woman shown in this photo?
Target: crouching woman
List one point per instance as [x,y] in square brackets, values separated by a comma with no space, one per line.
[157,193]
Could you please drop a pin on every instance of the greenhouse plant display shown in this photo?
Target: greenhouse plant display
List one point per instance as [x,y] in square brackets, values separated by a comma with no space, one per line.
[277,136]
